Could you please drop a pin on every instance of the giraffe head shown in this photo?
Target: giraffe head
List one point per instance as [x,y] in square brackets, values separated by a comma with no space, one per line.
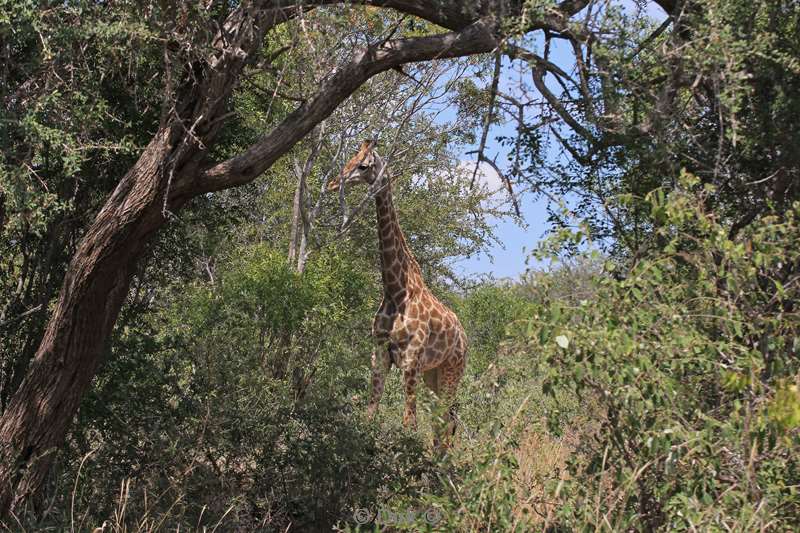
[363,167]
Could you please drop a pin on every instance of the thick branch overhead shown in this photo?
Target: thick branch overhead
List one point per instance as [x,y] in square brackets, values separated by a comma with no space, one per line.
[476,32]
[243,168]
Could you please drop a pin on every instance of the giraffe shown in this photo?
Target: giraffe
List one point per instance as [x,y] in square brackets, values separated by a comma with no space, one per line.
[412,329]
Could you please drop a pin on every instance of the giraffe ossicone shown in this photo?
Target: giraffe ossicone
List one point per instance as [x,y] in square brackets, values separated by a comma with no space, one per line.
[412,328]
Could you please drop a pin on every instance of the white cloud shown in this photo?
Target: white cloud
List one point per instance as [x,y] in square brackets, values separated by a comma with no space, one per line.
[486,176]
[488,179]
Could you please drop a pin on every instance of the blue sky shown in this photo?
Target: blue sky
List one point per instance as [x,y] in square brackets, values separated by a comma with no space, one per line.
[510,258]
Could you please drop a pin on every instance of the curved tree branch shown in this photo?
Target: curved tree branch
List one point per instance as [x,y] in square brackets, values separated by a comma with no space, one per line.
[243,168]
[487,122]
[538,80]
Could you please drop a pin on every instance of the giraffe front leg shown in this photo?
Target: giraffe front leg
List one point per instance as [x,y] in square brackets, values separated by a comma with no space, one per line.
[380,368]
[410,381]
[411,373]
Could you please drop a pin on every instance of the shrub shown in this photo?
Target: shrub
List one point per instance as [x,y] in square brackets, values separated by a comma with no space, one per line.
[689,363]
[242,402]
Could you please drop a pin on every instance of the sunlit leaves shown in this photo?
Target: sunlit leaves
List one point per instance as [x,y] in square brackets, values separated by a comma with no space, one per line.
[689,359]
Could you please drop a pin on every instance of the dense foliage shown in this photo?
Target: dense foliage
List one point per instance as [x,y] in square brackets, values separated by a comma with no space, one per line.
[689,367]
[644,376]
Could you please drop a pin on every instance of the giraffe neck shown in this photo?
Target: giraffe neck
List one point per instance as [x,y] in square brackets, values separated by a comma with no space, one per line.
[399,270]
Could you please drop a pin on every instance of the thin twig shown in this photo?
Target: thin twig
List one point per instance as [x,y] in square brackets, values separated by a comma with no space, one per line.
[487,122]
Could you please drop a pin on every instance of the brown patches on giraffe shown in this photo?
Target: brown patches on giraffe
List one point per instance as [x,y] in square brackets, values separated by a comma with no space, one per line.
[412,328]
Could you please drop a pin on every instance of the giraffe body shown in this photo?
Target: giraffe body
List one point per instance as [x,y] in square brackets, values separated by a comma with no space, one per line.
[412,329]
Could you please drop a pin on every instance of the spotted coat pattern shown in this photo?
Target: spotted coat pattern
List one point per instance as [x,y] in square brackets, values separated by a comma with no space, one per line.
[412,328]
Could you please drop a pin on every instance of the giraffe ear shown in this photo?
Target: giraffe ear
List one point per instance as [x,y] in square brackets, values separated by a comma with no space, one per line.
[369,144]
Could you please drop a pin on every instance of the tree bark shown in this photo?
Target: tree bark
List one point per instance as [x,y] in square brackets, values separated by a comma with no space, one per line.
[91,297]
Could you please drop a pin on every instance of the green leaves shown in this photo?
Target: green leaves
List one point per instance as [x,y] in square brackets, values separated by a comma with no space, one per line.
[689,360]
[784,408]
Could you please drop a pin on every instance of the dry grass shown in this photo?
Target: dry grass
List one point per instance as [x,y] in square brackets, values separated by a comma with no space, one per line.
[542,472]
[135,511]
[542,459]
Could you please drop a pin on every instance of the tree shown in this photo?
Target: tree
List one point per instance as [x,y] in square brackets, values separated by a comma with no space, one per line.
[712,89]
[207,51]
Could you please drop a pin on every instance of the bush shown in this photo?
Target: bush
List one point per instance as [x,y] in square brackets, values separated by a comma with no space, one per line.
[689,363]
[240,402]
[659,396]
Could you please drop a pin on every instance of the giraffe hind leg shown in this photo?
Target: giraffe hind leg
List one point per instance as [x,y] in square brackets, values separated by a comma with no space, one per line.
[449,377]
[443,426]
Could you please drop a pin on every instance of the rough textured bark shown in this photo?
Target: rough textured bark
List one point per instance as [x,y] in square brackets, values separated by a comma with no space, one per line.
[171,167]
[94,288]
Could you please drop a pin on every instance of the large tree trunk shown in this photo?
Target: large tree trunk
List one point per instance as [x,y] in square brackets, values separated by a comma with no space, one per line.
[94,289]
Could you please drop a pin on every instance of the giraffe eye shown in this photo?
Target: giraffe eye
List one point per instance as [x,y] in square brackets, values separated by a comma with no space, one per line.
[362,167]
